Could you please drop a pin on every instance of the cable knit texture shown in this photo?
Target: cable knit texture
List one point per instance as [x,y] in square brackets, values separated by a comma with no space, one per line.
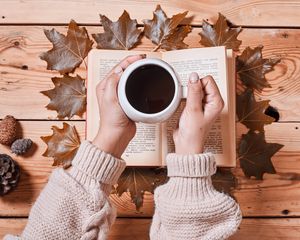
[75,204]
[188,206]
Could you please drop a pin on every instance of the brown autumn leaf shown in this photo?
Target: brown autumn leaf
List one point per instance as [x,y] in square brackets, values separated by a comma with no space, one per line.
[69,51]
[220,34]
[68,97]
[175,40]
[164,31]
[138,180]
[62,145]
[252,113]
[122,34]
[252,67]
[224,181]
[255,154]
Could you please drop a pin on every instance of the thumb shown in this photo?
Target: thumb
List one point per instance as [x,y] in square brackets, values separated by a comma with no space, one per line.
[195,93]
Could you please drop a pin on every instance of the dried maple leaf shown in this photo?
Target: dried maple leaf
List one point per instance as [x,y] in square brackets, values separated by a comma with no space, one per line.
[252,67]
[68,97]
[224,181]
[62,145]
[255,154]
[69,51]
[164,31]
[252,113]
[175,40]
[138,180]
[122,34]
[220,34]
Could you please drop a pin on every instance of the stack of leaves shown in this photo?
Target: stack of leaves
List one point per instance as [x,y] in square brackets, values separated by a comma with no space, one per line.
[254,152]
[68,97]
[251,68]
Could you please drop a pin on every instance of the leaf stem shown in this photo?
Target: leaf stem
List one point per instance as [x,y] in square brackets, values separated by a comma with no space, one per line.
[85,64]
[156,48]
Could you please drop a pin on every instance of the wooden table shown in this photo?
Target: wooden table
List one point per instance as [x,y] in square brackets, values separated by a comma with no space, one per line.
[271,207]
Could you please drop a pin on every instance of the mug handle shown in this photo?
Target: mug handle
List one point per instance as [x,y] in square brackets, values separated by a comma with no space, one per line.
[184,90]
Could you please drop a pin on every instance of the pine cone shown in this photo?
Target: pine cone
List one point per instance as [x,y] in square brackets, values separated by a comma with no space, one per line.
[8,130]
[21,146]
[9,174]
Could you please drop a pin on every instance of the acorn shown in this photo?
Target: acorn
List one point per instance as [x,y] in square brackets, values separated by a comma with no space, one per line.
[8,130]
[21,146]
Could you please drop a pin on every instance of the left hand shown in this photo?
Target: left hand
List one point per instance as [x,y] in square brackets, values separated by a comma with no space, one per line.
[204,104]
[116,129]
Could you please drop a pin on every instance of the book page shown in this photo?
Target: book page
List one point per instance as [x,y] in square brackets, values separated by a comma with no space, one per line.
[204,61]
[145,148]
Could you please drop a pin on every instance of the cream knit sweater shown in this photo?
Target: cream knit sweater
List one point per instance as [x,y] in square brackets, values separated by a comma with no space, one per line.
[75,203]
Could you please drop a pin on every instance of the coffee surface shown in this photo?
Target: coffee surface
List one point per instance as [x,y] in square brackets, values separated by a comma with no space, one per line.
[150,88]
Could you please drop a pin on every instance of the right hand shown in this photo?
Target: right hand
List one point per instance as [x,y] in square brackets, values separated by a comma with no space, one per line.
[203,105]
[116,129]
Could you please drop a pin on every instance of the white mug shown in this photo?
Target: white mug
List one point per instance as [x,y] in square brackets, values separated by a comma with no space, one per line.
[137,116]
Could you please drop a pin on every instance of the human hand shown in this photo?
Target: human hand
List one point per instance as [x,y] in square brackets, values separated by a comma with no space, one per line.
[116,129]
[203,105]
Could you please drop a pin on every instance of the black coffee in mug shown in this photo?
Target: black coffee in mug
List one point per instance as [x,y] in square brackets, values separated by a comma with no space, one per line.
[150,88]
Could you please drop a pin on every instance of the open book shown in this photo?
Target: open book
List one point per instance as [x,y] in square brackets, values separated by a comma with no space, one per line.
[152,142]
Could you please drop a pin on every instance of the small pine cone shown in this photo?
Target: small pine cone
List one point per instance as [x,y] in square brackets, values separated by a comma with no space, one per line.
[8,130]
[9,174]
[21,146]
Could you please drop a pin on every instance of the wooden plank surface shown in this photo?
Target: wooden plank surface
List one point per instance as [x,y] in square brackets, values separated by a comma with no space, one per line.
[23,75]
[138,229]
[266,229]
[270,197]
[35,168]
[241,12]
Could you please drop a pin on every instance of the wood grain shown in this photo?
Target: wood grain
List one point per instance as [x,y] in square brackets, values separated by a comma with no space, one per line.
[23,75]
[34,167]
[270,197]
[13,226]
[132,228]
[275,229]
[240,12]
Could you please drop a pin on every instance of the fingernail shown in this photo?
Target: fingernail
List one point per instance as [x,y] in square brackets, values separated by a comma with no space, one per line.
[143,55]
[118,70]
[194,77]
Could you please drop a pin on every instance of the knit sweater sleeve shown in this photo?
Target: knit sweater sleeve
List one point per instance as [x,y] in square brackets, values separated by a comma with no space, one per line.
[75,203]
[188,206]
